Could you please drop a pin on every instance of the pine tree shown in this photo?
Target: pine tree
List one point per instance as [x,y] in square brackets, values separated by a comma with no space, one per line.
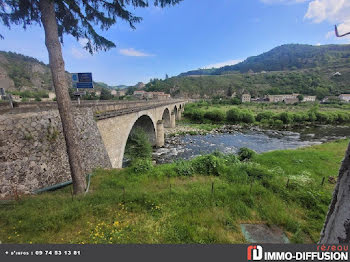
[79,19]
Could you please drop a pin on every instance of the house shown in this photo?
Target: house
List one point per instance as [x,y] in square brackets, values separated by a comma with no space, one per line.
[52,96]
[281,98]
[139,94]
[149,95]
[345,98]
[114,92]
[329,99]
[290,101]
[246,98]
[163,96]
[121,93]
[337,74]
[309,99]
[98,93]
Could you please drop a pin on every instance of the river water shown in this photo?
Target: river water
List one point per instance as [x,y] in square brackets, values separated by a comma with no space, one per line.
[189,146]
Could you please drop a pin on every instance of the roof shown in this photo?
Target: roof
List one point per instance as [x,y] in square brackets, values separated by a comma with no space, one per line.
[345,95]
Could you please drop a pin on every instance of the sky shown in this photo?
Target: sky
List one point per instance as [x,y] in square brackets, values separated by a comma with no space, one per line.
[193,34]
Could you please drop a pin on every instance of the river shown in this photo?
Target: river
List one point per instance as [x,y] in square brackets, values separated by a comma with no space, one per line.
[260,140]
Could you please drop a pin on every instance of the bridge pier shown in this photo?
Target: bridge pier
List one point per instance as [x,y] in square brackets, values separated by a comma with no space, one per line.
[178,116]
[173,120]
[160,134]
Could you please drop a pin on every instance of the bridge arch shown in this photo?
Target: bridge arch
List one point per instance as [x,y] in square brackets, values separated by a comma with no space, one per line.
[166,117]
[175,110]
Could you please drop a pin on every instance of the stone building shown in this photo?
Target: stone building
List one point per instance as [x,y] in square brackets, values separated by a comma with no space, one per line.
[345,98]
[309,99]
[246,98]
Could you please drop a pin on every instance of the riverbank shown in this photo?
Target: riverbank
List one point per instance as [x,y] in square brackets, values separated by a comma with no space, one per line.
[199,201]
[278,116]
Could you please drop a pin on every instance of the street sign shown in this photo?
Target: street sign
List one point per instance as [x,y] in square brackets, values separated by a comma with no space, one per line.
[83,85]
[79,93]
[82,80]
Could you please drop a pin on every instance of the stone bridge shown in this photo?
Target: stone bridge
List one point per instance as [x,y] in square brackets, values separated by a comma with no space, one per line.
[32,147]
[116,126]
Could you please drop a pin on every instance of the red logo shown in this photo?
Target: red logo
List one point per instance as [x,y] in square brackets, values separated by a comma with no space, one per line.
[254,253]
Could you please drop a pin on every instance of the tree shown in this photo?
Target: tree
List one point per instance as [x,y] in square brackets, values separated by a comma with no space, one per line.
[300,98]
[106,94]
[229,91]
[79,19]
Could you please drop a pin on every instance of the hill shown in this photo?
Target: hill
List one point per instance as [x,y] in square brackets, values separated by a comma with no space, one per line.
[290,68]
[23,73]
[286,57]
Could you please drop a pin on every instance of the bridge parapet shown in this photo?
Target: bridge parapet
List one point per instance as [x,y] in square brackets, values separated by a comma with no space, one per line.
[96,105]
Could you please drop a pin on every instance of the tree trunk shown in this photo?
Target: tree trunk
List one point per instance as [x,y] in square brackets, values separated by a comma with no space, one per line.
[336,229]
[48,19]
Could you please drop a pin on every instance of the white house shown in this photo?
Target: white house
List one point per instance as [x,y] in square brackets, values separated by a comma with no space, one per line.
[345,97]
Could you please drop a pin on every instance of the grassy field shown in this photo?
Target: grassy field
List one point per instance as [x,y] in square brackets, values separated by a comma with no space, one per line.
[199,201]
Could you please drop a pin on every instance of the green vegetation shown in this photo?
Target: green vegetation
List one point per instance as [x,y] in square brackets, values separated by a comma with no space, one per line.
[268,115]
[31,94]
[138,146]
[198,201]
[287,57]
[289,69]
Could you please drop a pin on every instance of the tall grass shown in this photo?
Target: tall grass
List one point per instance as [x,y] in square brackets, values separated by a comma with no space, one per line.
[199,201]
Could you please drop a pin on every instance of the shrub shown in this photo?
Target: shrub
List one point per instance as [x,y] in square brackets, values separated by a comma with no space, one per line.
[183,168]
[195,115]
[138,146]
[215,115]
[286,117]
[248,117]
[264,115]
[234,115]
[141,165]
[206,165]
[278,123]
[245,153]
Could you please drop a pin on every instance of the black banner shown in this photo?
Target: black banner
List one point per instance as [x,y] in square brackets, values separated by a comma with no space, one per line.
[163,253]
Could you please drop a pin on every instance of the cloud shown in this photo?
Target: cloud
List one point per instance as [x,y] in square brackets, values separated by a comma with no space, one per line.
[83,41]
[133,52]
[79,53]
[221,64]
[270,2]
[318,44]
[7,8]
[333,11]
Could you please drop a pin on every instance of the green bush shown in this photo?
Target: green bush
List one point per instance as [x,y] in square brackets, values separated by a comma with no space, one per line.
[196,115]
[215,115]
[141,165]
[183,168]
[138,146]
[248,117]
[286,117]
[206,165]
[264,115]
[234,115]
[245,153]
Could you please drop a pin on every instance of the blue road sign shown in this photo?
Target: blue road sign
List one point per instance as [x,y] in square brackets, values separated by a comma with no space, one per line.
[84,85]
[82,80]
[85,77]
